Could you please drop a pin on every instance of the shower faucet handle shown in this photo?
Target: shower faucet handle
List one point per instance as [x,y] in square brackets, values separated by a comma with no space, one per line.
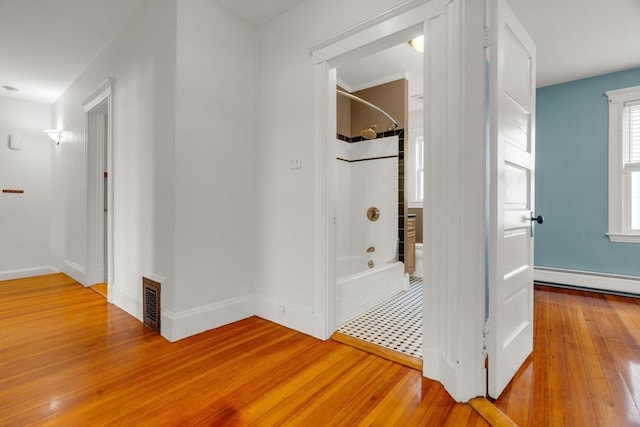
[371,249]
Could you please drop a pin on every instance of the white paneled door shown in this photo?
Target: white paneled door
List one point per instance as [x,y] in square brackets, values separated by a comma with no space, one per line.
[512,166]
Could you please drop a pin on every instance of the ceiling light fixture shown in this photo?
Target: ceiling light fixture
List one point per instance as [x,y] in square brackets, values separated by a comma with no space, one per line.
[54,134]
[417,44]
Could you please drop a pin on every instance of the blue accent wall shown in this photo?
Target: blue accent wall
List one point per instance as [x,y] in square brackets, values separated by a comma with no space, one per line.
[572,139]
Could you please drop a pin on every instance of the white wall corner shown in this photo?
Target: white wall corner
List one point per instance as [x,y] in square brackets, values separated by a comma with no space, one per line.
[123,299]
[175,326]
[301,319]
[27,272]
[588,279]
[75,271]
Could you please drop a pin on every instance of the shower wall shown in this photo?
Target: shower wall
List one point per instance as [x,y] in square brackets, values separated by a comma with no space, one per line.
[353,116]
[367,176]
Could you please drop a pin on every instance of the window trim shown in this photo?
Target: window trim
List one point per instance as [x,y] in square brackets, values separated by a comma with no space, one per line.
[415,159]
[618,227]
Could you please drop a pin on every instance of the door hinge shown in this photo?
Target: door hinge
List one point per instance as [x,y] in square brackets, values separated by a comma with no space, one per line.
[485,334]
[485,36]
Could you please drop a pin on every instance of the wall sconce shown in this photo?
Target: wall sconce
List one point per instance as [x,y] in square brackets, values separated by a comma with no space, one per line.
[417,44]
[54,134]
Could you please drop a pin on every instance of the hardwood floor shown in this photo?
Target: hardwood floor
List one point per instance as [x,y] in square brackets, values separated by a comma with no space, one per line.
[100,288]
[585,367]
[69,358]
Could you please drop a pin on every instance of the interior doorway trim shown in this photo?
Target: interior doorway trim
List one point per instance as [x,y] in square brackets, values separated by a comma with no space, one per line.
[453,308]
[382,31]
[381,17]
[95,204]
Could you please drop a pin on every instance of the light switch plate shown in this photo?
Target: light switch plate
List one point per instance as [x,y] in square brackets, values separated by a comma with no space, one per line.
[295,161]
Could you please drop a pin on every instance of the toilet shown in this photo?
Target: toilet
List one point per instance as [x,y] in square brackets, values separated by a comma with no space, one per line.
[419,269]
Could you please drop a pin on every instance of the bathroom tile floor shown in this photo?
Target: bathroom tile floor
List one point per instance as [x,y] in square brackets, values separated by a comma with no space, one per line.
[395,324]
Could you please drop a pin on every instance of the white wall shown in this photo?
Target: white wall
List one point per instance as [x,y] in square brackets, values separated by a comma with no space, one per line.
[25,218]
[204,199]
[284,197]
[215,154]
[142,62]
[184,137]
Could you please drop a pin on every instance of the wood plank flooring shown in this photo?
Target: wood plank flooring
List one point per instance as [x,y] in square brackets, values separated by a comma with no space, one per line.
[585,366]
[100,288]
[67,357]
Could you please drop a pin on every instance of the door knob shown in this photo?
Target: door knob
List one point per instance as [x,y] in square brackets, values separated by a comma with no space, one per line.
[539,219]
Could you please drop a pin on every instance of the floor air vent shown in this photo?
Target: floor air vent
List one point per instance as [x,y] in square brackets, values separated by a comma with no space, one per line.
[151,303]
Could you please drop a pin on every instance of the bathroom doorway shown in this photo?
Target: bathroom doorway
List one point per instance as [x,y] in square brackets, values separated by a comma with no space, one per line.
[455,180]
[378,304]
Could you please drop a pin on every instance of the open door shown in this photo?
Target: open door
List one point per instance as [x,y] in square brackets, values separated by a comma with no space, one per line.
[98,119]
[512,167]
[97,192]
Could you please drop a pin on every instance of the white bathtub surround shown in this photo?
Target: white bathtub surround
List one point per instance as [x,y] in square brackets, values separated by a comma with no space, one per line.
[363,184]
[367,176]
[360,288]
[369,149]
[374,183]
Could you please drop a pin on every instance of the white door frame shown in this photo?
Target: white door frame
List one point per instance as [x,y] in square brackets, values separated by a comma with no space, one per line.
[454,235]
[95,209]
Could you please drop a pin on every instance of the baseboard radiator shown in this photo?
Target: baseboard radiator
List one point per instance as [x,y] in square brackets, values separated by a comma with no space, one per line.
[599,282]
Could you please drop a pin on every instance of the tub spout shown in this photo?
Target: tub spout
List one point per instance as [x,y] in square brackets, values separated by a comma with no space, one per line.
[371,249]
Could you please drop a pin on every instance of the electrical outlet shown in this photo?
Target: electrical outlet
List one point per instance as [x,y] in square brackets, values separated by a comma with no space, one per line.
[295,161]
[283,309]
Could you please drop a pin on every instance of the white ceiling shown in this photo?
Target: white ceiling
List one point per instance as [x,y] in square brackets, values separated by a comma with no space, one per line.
[574,39]
[46,44]
[258,12]
[581,38]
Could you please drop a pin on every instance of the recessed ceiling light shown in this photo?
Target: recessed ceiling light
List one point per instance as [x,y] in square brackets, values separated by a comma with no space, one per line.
[417,44]
[10,88]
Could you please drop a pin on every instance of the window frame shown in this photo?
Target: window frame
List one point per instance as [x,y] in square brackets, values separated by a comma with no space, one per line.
[416,168]
[619,226]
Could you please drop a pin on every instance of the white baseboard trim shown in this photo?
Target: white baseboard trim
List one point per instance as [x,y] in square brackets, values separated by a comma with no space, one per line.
[175,326]
[28,272]
[125,300]
[75,271]
[301,319]
[588,279]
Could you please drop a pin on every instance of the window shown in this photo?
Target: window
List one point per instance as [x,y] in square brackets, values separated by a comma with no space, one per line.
[416,170]
[624,164]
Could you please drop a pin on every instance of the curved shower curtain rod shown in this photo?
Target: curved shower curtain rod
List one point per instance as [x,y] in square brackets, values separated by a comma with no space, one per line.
[367,103]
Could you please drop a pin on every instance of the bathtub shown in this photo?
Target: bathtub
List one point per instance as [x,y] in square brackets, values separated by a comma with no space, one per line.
[360,288]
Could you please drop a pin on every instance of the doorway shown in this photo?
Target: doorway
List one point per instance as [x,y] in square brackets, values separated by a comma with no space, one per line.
[378,306]
[97,108]
[454,245]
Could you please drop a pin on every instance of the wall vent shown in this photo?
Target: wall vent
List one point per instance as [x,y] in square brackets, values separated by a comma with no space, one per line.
[151,303]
